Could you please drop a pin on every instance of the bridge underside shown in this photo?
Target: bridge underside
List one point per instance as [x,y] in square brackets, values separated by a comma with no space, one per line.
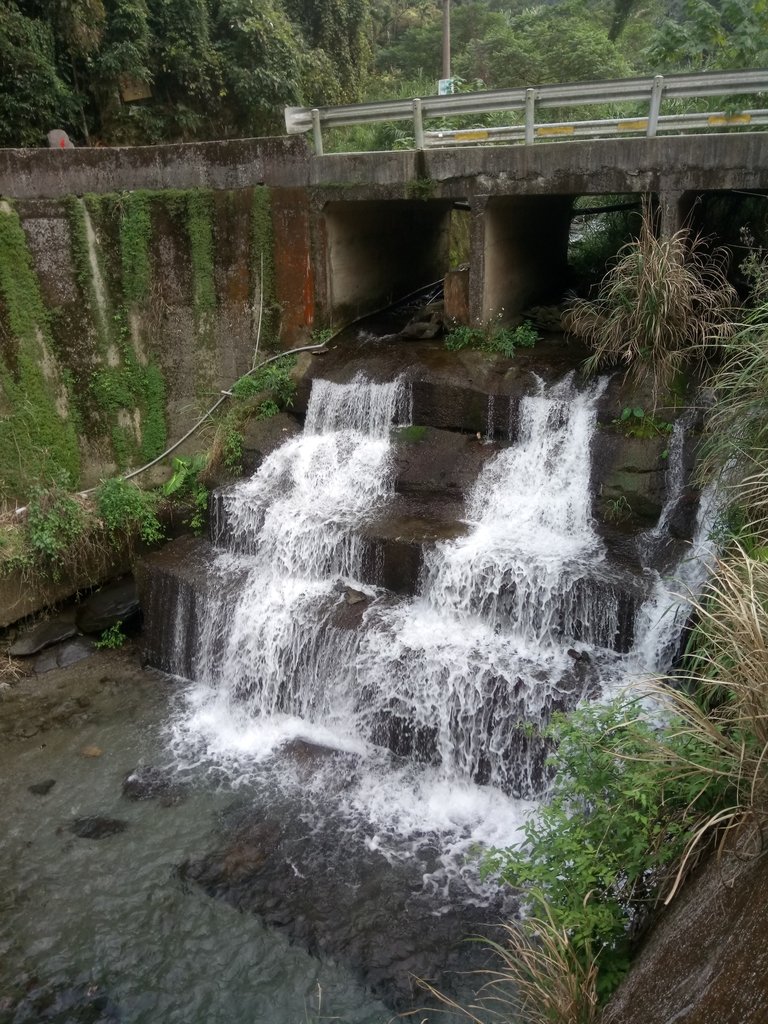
[379,251]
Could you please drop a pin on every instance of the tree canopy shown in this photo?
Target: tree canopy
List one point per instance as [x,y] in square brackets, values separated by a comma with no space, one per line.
[139,71]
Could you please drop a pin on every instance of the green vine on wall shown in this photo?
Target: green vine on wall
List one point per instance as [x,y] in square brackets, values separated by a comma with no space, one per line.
[135,237]
[37,438]
[263,265]
[199,219]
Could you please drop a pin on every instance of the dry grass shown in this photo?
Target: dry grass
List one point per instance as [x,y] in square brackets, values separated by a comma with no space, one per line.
[663,302]
[723,707]
[737,426]
[539,979]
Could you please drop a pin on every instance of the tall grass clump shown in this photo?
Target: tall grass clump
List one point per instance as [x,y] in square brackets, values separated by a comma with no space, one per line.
[539,978]
[720,704]
[736,441]
[662,304]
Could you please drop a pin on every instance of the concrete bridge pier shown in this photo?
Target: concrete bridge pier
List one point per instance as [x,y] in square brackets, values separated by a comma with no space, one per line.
[519,254]
[673,208]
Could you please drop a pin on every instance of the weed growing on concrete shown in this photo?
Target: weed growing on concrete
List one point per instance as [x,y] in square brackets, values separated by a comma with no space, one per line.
[492,338]
[135,237]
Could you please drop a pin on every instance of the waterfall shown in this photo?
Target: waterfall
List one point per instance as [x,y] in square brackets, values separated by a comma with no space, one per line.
[483,652]
[442,695]
[290,535]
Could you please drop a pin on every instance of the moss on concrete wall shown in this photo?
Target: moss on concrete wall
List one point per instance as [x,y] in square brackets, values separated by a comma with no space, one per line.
[38,439]
[100,374]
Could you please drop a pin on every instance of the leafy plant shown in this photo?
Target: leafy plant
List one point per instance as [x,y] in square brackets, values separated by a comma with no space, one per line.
[55,522]
[186,482]
[615,821]
[662,304]
[638,423]
[112,638]
[275,378]
[492,337]
[127,511]
[185,471]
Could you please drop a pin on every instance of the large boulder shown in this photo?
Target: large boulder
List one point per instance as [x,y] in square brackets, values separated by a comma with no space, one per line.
[45,634]
[706,961]
[104,608]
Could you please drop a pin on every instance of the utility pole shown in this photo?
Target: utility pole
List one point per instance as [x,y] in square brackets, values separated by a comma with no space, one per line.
[446,39]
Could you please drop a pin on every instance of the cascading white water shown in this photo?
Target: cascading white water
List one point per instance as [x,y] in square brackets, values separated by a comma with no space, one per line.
[483,651]
[520,617]
[291,530]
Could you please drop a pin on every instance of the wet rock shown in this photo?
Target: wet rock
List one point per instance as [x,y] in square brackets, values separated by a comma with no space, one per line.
[97,827]
[422,329]
[42,788]
[45,634]
[64,655]
[149,783]
[339,897]
[352,596]
[706,960]
[84,1003]
[116,602]
[629,476]
[442,463]
[427,323]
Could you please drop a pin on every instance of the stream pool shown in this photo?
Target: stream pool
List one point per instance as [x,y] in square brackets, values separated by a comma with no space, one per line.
[205,901]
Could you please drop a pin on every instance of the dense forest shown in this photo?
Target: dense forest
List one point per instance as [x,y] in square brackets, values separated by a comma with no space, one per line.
[146,71]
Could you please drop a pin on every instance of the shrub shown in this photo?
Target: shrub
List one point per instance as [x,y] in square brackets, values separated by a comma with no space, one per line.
[275,378]
[56,525]
[492,337]
[661,305]
[127,511]
[625,799]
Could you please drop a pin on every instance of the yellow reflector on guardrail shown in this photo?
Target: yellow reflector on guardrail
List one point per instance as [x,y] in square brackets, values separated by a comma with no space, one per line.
[638,125]
[555,129]
[716,120]
[472,136]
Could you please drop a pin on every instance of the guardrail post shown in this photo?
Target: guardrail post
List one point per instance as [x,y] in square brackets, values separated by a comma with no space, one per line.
[418,125]
[317,132]
[653,114]
[530,115]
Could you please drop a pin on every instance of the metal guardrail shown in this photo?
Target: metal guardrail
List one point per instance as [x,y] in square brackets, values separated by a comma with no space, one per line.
[299,120]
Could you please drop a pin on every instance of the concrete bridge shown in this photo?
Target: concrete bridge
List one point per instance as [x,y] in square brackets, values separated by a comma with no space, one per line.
[353,231]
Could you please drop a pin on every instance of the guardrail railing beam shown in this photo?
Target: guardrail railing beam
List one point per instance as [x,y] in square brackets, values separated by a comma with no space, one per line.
[646,90]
